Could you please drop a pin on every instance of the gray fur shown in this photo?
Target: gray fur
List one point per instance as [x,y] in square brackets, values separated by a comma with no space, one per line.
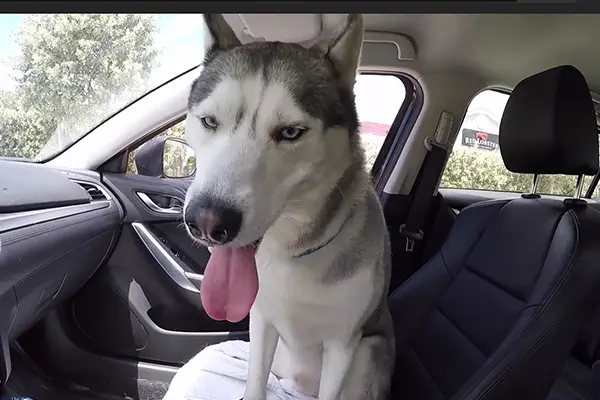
[357,248]
[331,208]
[219,32]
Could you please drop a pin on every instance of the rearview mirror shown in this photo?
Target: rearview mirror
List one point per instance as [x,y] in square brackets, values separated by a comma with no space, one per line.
[179,159]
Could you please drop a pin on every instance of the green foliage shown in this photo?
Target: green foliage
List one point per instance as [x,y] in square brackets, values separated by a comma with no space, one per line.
[177,130]
[21,131]
[372,144]
[178,160]
[71,70]
[470,168]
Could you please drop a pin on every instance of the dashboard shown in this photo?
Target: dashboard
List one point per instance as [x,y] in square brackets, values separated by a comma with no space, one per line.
[57,227]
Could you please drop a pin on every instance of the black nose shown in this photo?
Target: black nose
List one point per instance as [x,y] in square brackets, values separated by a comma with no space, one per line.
[212,220]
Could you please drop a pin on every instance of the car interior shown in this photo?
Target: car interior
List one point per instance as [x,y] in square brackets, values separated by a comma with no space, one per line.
[492,210]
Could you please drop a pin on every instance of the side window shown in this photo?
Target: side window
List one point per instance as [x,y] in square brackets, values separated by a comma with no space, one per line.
[175,131]
[378,100]
[476,163]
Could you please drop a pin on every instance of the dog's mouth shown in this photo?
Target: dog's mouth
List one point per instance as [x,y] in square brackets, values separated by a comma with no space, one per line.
[230,282]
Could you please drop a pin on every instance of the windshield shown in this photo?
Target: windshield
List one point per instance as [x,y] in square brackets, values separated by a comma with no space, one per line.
[63,74]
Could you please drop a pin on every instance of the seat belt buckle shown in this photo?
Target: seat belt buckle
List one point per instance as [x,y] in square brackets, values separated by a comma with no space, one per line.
[411,237]
[431,142]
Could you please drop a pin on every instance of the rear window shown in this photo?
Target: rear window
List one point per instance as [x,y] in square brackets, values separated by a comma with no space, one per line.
[476,164]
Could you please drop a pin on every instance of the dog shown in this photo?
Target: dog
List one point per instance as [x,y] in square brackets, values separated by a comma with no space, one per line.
[283,199]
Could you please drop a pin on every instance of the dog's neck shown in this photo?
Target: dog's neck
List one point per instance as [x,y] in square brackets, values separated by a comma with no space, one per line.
[319,214]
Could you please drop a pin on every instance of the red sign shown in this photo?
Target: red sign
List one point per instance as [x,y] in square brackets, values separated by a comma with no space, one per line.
[481,140]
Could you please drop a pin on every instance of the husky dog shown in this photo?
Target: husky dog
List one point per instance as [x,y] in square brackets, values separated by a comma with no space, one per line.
[281,196]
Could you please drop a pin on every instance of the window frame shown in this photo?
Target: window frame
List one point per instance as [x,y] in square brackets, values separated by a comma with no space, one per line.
[399,131]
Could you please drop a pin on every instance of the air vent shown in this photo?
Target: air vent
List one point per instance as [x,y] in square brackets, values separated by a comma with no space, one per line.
[96,194]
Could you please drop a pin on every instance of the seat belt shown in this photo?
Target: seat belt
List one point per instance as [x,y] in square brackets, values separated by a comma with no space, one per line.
[406,254]
[431,171]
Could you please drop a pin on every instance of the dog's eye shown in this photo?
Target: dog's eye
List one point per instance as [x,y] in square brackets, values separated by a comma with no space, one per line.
[209,123]
[290,133]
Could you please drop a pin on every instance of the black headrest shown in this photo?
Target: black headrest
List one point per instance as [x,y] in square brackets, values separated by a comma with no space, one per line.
[549,125]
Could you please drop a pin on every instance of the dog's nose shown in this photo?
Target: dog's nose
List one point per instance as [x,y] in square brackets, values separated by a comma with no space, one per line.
[212,222]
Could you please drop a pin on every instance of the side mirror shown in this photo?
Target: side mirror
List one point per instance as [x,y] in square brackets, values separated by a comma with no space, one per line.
[178,159]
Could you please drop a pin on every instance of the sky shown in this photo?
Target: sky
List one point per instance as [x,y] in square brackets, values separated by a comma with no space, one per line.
[9,23]
[378,98]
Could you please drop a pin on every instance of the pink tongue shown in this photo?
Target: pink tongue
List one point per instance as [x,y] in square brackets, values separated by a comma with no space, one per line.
[230,283]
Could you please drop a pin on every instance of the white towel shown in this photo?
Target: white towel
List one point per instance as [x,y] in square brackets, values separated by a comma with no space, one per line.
[219,373]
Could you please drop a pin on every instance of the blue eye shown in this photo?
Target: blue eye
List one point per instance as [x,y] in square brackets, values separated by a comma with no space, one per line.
[209,123]
[290,133]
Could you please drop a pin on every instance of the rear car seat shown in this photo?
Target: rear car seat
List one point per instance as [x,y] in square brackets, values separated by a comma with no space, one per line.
[495,313]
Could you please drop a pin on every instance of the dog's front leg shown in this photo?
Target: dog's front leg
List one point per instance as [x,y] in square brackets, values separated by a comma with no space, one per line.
[337,359]
[263,342]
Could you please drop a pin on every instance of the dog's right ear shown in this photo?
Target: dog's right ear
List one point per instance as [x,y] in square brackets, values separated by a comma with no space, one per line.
[218,35]
[343,48]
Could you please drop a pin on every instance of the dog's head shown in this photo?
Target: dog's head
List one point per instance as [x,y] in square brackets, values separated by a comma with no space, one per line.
[269,122]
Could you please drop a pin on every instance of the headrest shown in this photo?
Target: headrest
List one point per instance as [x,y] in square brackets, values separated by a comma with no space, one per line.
[549,125]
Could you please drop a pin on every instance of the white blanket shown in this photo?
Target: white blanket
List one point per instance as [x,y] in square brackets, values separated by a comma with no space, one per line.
[219,373]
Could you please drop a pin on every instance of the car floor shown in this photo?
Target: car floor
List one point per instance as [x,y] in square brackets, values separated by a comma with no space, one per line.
[27,381]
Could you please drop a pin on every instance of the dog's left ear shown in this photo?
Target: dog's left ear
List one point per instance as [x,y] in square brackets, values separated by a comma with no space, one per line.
[343,48]
[218,35]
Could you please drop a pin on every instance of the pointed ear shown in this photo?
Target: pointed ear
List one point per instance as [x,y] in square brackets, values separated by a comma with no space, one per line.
[343,48]
[217,33]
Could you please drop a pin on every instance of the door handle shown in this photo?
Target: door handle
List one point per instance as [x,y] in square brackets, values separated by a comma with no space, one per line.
[188,281]
[174,210]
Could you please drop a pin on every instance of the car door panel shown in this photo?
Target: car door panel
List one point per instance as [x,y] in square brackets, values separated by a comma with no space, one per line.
[194,256]
[151,283]
[127,188]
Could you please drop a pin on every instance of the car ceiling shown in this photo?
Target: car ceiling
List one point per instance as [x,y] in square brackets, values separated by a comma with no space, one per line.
[501,48]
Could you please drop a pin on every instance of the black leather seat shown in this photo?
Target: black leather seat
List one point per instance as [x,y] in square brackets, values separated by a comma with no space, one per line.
[496,312]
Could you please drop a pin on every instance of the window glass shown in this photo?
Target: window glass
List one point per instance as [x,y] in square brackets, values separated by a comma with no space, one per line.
[378,100]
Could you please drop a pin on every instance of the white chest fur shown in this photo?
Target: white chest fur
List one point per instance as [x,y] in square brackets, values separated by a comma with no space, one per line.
[305,310]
